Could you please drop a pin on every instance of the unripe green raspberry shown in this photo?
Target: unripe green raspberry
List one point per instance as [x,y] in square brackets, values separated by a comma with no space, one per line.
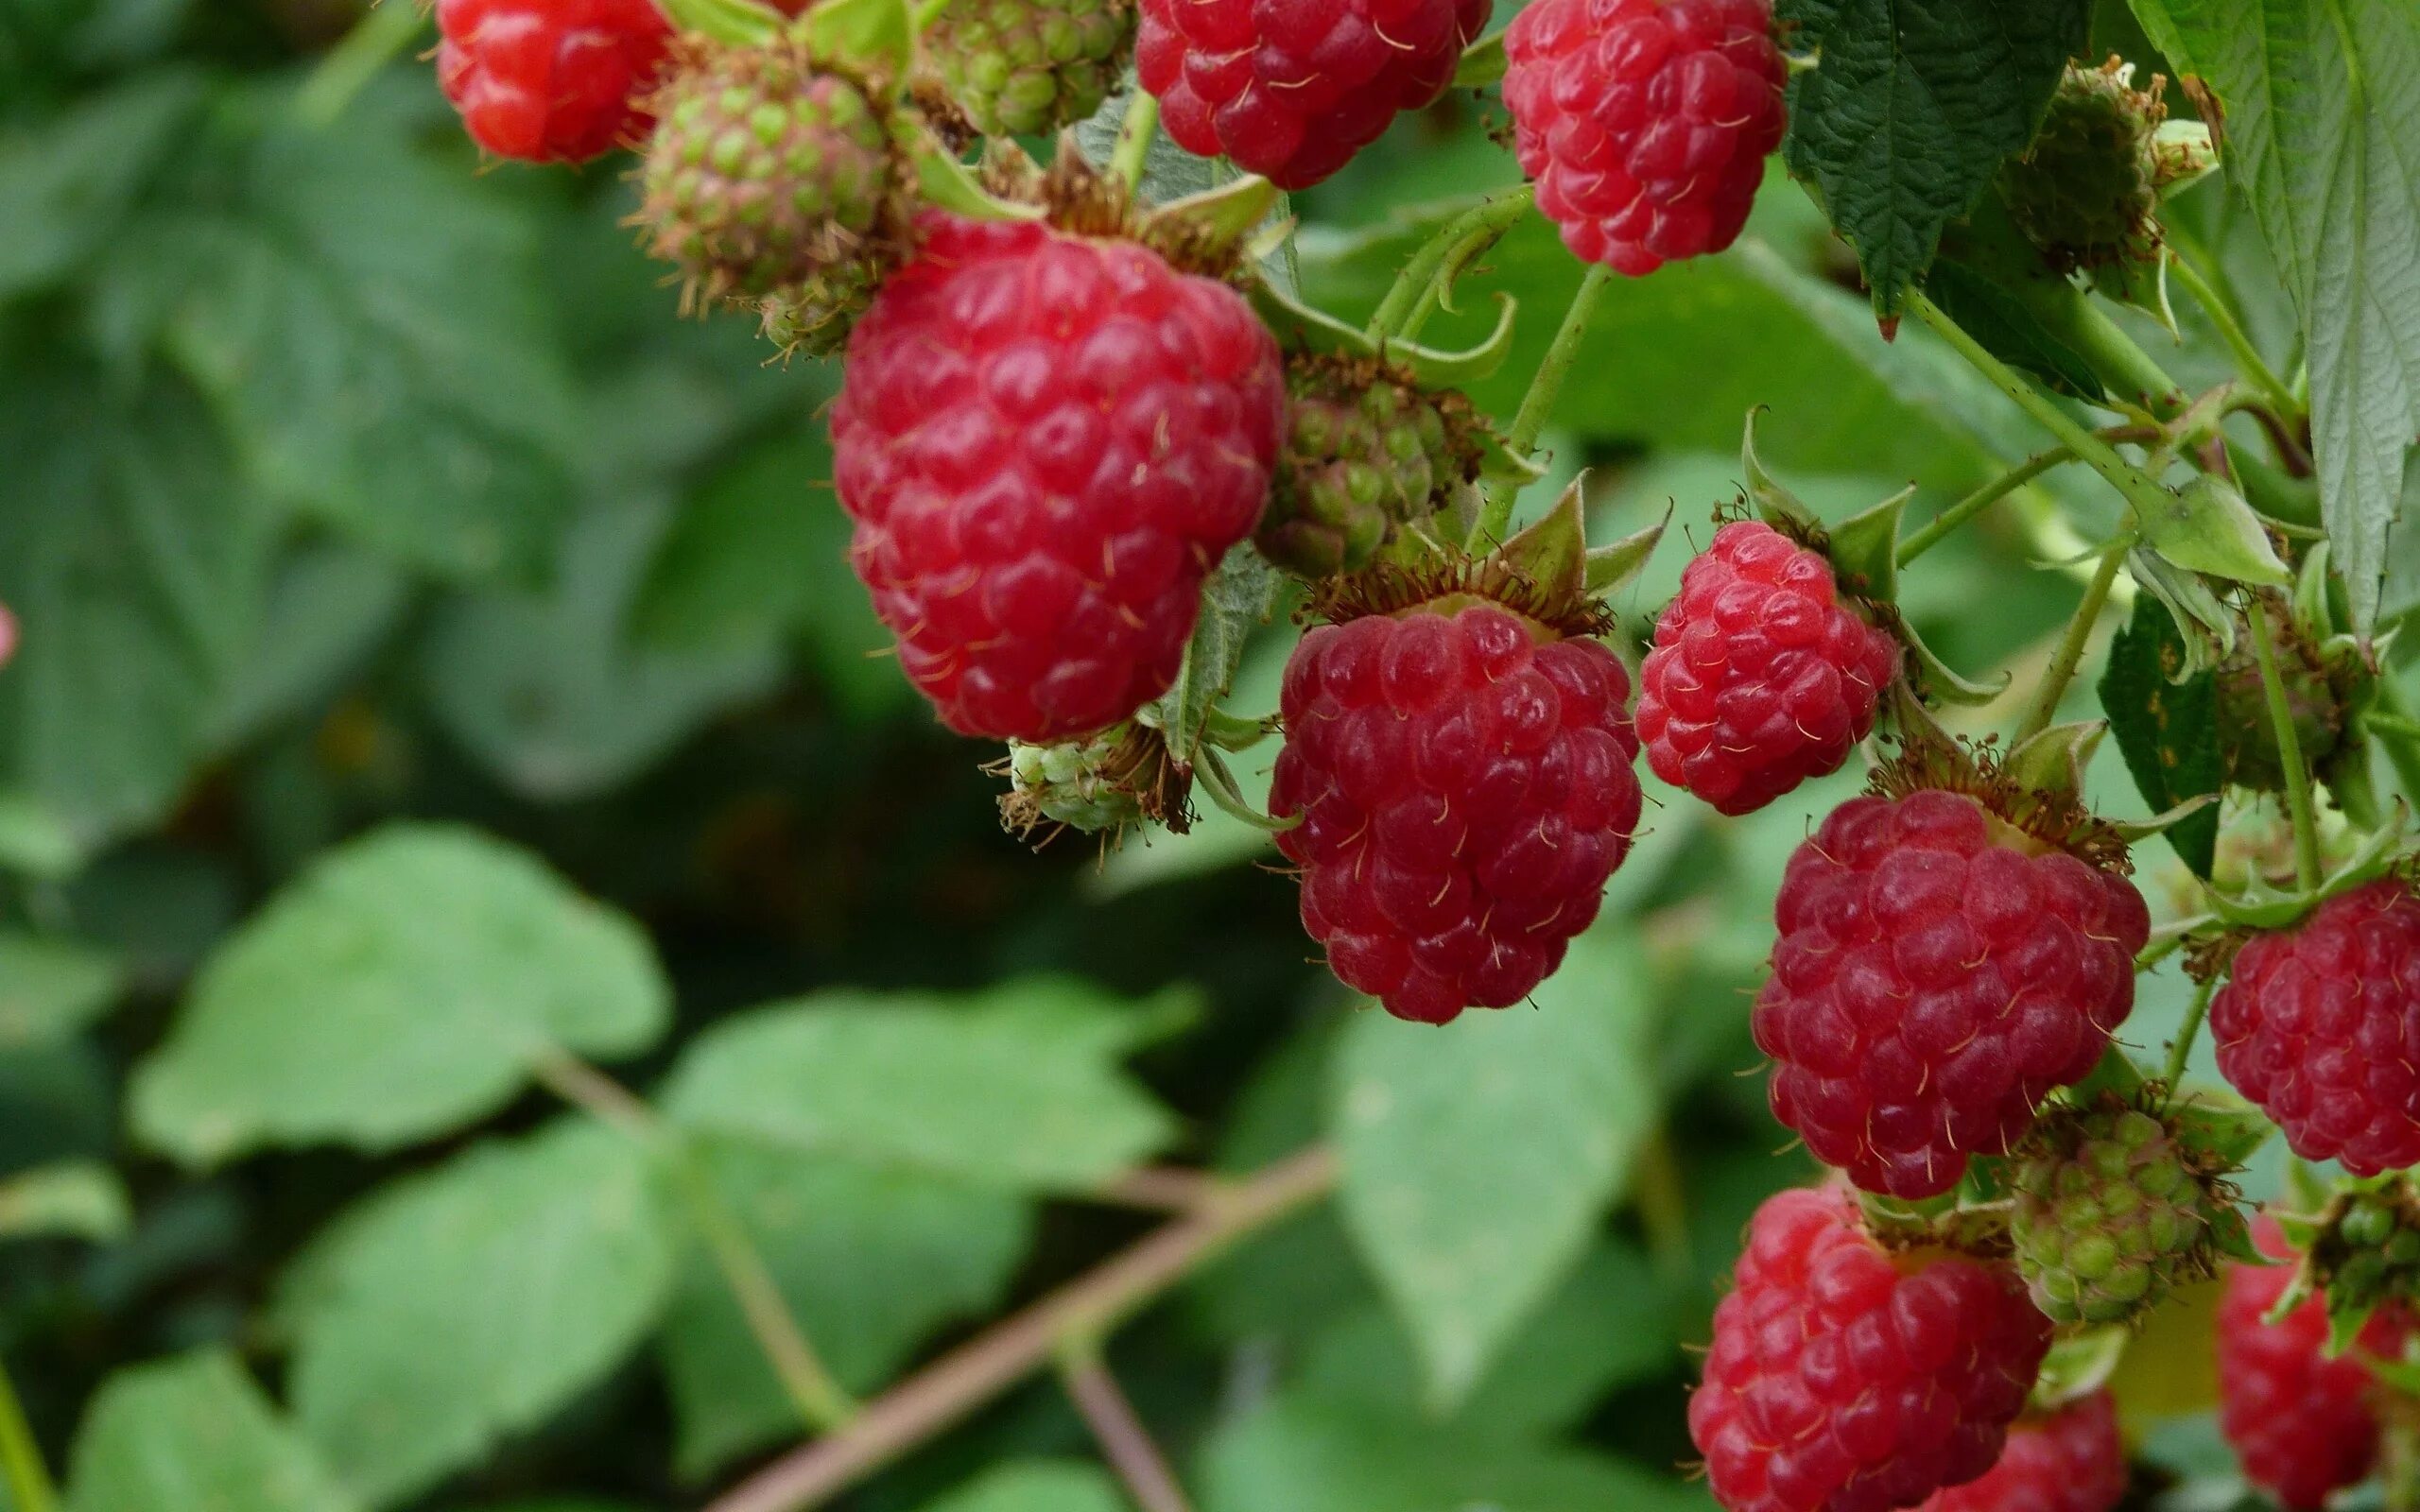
[1119,778]
[1367,453]
[2367,1247]
[2087,192]
[2111,1213]
[767,173]
[2314,698]
[1028,68]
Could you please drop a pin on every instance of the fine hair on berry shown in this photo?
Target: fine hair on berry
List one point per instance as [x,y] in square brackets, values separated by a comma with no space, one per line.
[1848,1377]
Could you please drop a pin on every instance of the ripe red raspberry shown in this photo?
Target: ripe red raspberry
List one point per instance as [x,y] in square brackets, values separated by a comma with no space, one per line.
[2300,1421]
[2320,1026]
[2067,1461]
[1465,778]
[1046,440]
[1292,91]
[1645,123]
[1760,678]
[1939,969]
[1844,1376]
[550,80]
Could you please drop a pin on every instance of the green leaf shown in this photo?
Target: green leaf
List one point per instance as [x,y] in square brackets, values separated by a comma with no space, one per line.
[51,988]
[449,1310]
[1036,1485]
[2010,332]
[331,607]
[372,327]
[1015,1090]
[2166,730]
[870,1261]
[65,186]
[543,689]
[1913,105]
[81,1198]
[1308,1457]
[2323,106]
[137,568]
[402,987]
[1479,1158]
[195,1435]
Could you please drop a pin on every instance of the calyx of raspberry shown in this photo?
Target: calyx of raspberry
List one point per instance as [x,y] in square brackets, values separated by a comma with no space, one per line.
[2266,907]
[1208,233]
[2033,794]
[2361,1253]
[1121,777]
[1865,554]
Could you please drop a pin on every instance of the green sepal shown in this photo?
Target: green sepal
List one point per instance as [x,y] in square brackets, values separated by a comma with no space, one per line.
[1864,553]
[2134,832]
[2222,1130]
[1240,597]
[873,39]
[2053,761]
[2078,1366]
[2139,286]
[1612,567]
[2206,527]
[1500,463]
[2205,627]
[732,23]
[2186,155]
[2346,1320]
[948,184]
[1483,63]
[1223,216]
[1310,329]
[1554,552]
[2314,608]
[2264,907]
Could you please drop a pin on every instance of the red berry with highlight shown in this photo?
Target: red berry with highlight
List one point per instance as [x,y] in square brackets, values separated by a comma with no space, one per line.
[1464,779]
[1939,969]
[550,80]
[2070,1460]
[1645,123]
[2320,1026]
[1760,677]
[1047,441]
[1844,1376]
[2301,1422]
[1292,91]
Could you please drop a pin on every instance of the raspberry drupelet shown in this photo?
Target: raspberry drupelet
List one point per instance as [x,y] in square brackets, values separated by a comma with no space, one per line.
[2320,1026]
[1465,778]
[1845,1377]
[2071,1460]
[1645,123]
[1291,91]
[1760,677]
[1939,969]
[1047,441]
[550,80]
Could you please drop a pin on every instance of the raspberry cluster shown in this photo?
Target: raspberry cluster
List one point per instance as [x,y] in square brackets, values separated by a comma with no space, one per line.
[1292,91]
[1760,678]
[1047,441]
[1938,971]
[2301,1422]
[1645,123]
[1464,781]
[2070,1460]
[2320,1026]
[1846,1378]
[550,80]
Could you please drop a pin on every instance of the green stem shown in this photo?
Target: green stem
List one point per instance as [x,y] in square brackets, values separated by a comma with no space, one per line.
[1135,135]
[2290,752]
[2247,357]
[1407,301]
[28,1482]
[2189,1031]
[1538,403]
[2146,496]
[821,1403]
[346,69]
[2061,669]
[1983,498]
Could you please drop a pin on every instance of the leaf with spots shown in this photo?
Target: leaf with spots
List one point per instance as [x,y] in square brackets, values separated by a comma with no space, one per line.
[2167,731]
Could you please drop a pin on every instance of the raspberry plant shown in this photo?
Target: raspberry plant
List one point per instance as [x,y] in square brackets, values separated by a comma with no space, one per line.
[1345,436]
